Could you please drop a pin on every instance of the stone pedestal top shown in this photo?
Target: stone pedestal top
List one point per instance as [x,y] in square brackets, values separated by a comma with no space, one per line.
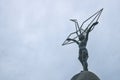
[85,75]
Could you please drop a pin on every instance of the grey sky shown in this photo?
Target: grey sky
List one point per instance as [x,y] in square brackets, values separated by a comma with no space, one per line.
[32,31]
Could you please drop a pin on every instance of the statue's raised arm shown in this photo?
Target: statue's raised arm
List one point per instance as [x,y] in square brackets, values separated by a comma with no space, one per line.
[90,29]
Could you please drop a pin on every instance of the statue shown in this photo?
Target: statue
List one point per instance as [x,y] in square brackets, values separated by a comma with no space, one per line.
[81,38]
[83,53]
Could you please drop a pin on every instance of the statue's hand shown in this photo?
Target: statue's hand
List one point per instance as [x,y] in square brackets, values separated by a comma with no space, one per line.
[68,39]
[95,23]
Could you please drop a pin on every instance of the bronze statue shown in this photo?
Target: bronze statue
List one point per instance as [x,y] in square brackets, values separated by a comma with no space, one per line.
[83,53]
[81,38]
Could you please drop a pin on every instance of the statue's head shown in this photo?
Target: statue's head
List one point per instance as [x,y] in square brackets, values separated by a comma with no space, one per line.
[81,37]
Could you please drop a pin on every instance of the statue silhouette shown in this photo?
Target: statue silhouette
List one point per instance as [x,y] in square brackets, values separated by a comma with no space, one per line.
[81,37]
[82,42]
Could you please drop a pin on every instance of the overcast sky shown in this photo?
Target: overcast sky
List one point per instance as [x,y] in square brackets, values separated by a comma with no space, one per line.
[32,31]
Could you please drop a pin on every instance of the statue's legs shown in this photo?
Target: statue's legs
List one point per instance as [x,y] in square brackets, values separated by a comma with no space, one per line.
[83,56]
[85,65]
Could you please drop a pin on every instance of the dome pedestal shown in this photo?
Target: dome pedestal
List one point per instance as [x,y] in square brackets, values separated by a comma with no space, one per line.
[85,75]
